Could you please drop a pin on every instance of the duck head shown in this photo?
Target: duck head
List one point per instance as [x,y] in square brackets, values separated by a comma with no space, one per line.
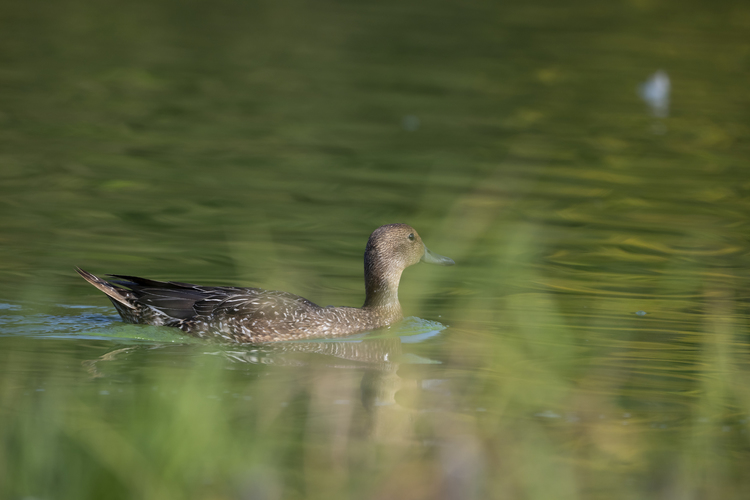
[390,250]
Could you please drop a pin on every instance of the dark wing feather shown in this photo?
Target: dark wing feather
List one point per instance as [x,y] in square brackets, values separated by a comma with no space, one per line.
[175,299]
[174,302]
[185,301]
[145,282]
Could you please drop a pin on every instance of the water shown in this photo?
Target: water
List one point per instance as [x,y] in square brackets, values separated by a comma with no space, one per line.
[591,341]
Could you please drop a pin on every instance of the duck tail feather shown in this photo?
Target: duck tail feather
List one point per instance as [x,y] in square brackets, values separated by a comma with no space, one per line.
[112,291]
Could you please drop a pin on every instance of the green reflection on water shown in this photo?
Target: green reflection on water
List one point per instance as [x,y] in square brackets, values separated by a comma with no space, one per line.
[260,143]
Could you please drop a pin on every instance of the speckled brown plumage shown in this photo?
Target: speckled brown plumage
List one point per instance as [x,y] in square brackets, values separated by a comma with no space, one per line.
[256,315]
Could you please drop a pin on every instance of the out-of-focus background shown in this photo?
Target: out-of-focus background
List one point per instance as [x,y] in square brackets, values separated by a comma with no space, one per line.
[584,163]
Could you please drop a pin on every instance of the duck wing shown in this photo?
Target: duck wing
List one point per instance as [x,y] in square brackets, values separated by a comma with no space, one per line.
[258,305]
[253,307]
[175,299]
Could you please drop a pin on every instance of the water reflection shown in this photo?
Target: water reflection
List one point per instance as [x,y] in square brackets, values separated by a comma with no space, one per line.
[377,359]
[380,353]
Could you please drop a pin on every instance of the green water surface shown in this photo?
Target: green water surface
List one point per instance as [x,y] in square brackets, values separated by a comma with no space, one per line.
[590,343]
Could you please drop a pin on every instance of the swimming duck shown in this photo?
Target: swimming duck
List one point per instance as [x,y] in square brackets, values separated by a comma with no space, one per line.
[255,315]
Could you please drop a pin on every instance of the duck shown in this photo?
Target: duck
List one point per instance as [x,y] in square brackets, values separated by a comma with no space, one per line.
[254,315]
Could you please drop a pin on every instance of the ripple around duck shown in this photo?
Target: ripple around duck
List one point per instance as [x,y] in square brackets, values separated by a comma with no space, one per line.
[99,323]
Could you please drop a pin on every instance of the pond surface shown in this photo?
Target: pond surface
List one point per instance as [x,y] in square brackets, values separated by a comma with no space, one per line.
[591,342]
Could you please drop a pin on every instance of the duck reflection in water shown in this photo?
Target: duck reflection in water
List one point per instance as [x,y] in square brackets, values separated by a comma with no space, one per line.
[377,359]
[347,396]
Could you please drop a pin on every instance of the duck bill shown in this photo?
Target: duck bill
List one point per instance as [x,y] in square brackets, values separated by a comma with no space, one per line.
[433,258]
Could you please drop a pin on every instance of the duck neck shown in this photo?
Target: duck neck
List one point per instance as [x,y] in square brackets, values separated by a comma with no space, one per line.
[381,284]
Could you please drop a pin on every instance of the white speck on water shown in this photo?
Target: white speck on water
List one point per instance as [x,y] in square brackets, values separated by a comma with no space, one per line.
[104,393]
[655,92]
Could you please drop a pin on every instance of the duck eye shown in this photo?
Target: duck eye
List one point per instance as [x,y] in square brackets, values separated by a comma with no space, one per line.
[411,236]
